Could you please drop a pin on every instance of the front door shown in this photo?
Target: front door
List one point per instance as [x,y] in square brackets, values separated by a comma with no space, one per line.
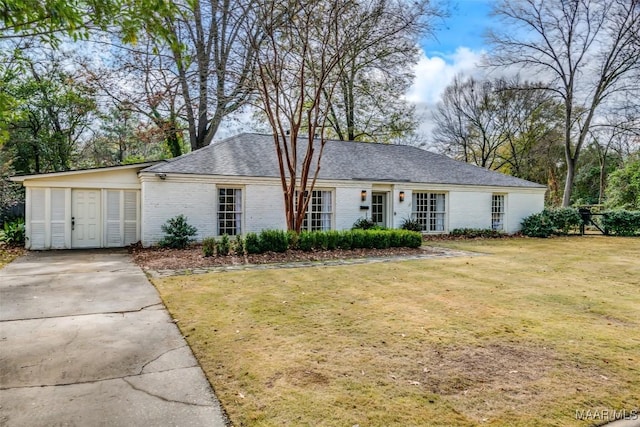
[85,219]
[379,209]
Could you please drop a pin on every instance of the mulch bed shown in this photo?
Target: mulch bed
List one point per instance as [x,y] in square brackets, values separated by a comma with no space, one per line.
[175,259]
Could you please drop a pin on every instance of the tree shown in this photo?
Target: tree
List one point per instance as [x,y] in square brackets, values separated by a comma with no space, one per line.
[494,124]
[623,190]
[302,47]
[141,81]
[467,123]
[587,48]
[55,108]
[205,45]
[369,101]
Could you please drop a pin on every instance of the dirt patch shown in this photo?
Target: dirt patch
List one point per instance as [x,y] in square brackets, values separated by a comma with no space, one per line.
[192,257]
[454,370]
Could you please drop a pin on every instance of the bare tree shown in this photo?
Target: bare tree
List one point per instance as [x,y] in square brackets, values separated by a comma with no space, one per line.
[208,44]
[588,50]
[369,102]
[141,79]
[467,123]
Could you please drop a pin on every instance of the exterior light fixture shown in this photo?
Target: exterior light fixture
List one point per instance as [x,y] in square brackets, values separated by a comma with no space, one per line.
[401,196]
[363,195]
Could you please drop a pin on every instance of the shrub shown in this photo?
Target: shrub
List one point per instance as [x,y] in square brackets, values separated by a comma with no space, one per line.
[320,240]
[406,238]
[345,240]
[224,245]
[563,219]
[363,224]
[551,221]
[473,233]
[238,245]
[13,232]
[358,239]
[537,225]
[621,223]
[208,246]
[252,243]
[306,241]
[292,237]
[380,239]
[411,225]
[333,238]
[273,240]
[178,233]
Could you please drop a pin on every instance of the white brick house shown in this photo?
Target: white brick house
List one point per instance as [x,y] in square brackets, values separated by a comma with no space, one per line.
[233,187]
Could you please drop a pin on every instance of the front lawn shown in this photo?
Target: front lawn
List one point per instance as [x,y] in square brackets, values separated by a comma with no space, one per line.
[534,332]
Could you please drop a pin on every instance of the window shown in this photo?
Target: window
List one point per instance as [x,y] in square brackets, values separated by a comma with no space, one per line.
[429,209]
[319,211]
[229,211]
[497,212]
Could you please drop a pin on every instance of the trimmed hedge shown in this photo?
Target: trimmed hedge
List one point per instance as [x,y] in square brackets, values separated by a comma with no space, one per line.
[273,240]
[621,223]
[280,241]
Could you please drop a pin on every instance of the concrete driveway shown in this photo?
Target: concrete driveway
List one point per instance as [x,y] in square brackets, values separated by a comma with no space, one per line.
[86,341]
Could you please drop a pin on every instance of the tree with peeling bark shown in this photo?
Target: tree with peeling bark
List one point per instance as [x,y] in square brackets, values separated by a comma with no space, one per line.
[588,50]
[302,50]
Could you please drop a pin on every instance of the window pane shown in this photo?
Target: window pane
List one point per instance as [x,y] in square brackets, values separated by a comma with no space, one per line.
[229,211]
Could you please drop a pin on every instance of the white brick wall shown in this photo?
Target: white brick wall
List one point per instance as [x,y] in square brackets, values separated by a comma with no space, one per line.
[519,206]
[469,209]
[162,200]
[264,208]
[347,206]
[401,210]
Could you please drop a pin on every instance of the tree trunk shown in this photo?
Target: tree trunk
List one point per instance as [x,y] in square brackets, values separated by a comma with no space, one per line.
[568,184]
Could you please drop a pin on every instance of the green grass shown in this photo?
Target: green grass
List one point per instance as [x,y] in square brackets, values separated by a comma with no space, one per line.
[526,334]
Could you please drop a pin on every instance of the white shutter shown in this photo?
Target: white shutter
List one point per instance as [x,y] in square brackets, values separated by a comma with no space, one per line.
[130,217]
[38,215]
[58,218]
[113,219]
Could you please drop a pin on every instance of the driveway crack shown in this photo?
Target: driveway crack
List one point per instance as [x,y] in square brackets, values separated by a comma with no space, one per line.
[137,310]
[159,356]
[164,399]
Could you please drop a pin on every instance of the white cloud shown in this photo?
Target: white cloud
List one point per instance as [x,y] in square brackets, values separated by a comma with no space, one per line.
[433,75]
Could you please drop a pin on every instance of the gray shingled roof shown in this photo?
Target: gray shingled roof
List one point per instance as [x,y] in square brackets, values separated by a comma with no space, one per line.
[254,155]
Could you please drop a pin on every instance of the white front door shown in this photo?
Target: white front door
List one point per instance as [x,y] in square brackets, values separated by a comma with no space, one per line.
[85,219]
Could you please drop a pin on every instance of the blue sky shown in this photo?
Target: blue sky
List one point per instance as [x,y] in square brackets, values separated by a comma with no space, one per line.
[458,48]
[465,27]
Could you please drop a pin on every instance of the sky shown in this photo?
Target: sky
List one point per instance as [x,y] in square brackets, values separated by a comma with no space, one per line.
[457,47]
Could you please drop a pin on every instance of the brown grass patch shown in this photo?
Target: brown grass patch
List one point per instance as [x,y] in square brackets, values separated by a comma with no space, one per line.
[9,253]
[526,336]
